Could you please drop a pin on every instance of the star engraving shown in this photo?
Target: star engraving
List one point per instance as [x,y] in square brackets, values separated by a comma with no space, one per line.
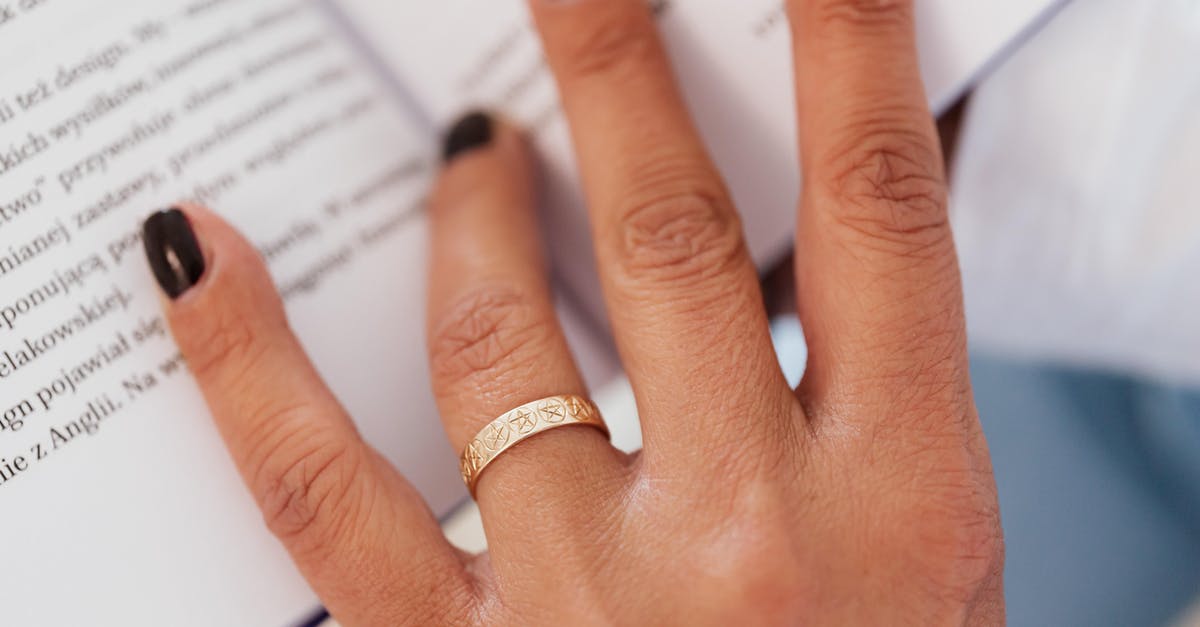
[474,457]
[579,408]
[553,411]
[523,421]
[496,436]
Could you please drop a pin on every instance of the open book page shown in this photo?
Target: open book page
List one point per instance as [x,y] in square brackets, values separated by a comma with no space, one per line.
[117,501]
[734,63]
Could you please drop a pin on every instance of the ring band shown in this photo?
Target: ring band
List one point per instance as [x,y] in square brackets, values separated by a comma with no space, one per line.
[523,423]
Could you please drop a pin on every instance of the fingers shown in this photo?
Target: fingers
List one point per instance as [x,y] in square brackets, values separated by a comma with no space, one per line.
[355,528]
[878,281]
[682,291]
[494,338]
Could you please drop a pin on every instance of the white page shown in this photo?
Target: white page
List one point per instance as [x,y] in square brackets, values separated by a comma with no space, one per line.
[733,60]
[145,522]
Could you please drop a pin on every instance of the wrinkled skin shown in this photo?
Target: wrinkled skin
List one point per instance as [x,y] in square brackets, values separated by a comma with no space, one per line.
[865,497]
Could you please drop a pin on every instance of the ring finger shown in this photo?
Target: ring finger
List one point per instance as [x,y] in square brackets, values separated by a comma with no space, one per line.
[494,339]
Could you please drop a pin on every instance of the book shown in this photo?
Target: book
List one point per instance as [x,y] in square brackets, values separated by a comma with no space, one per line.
[312,127]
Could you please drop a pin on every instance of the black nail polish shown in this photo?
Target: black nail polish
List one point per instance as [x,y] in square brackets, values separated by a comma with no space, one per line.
[174,254]
[471,132]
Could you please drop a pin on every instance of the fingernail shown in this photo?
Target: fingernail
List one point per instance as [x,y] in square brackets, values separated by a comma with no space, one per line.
[471,132]
[174,254]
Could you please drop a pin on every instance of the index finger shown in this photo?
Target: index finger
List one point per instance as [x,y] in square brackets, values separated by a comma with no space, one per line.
[351,523]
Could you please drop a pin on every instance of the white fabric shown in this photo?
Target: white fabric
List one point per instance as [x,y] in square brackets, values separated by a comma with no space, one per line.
[1077,193]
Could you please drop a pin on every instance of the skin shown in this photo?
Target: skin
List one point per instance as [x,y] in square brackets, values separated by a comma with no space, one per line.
[864,497]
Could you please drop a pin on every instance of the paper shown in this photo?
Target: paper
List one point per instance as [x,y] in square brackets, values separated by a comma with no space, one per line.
[118,504]
[733,60]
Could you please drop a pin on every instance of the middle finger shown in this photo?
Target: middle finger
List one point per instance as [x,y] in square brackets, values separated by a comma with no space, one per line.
[681,289]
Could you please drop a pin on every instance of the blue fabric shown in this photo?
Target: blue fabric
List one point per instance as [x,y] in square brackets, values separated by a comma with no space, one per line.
[1099,480]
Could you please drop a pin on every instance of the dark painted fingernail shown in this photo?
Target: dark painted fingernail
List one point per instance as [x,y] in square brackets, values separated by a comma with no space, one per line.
[471,132]
[174,254]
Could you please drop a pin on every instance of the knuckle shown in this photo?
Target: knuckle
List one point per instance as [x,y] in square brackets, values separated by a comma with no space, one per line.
[302,482]
[678,238]
[946,522]
[610,45]
[758,551]
[854,13]
[492,328]
[223,347]
[226,333]
[963,546]
[890,192]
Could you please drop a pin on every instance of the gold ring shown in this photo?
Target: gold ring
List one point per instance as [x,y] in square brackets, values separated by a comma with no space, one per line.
[523,423]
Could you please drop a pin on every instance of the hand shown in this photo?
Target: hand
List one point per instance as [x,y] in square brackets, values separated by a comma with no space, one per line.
[865,497]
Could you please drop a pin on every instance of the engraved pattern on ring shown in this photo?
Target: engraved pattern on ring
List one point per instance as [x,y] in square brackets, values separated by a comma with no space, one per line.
[579,407]
[474,456]
[523,422]
[552,410]
[496,435]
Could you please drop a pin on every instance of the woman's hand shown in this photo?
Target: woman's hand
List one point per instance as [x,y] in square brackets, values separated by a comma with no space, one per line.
[865,497]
